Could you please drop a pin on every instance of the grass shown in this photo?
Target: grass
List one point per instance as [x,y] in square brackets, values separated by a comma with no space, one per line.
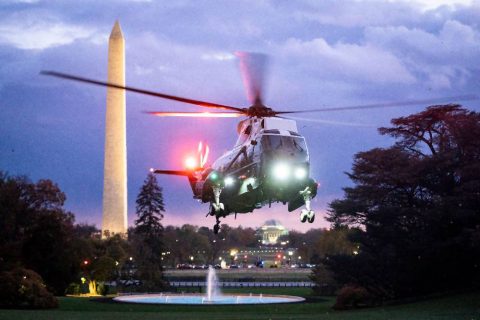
[463,306]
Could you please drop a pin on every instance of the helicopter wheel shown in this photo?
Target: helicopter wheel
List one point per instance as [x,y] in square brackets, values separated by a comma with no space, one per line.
[304,215]
[216,228]
[311,216]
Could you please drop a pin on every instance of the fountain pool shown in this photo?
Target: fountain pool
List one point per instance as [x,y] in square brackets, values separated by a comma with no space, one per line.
[212,297]
[201,299]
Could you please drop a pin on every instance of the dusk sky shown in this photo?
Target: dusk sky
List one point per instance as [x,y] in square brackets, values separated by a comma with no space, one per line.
[322,54]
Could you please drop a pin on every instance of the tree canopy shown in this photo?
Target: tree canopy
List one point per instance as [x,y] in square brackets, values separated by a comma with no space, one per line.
[416,206]
[148,232]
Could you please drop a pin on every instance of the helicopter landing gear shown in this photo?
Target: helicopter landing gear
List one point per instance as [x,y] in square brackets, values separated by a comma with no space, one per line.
[217,208]
[216,227]
[307,214]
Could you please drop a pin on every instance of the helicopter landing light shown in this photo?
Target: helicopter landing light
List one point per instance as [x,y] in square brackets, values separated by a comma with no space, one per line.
[300,173]
[229,181]
[281,171]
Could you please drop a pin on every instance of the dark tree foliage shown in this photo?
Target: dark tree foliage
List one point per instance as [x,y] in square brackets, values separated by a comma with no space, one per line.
[23,288]
[416,206]
[86,231]
[36,232]
[148,234]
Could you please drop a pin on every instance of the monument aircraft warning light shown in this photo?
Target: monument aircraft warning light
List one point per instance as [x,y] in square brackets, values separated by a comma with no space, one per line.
[270,160]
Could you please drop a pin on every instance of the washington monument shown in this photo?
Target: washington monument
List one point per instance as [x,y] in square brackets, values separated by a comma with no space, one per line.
[115,166]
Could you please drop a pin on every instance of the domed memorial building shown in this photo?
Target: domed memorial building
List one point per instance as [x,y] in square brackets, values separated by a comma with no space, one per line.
[271,231]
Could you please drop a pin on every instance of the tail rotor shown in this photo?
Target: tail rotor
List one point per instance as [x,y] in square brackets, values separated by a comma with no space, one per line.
[203,151]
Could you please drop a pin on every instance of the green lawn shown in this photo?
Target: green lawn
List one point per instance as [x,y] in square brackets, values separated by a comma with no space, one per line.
[464,306]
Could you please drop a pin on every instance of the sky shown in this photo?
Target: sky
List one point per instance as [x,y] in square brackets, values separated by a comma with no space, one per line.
[321,54]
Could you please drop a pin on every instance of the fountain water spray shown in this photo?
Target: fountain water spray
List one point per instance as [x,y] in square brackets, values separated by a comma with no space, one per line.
[213,292]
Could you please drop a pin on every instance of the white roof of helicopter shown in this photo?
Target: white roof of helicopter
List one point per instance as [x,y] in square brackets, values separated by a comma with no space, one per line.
[280,124]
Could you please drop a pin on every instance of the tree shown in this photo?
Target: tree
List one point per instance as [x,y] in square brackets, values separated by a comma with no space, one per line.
[35,230]
[417,205]
[333,242]
[147,235]
[23,288]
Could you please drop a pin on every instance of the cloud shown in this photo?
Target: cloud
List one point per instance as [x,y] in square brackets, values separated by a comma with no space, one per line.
[441,58]
[221,56]
[357,13]
[350,61]
[434,4]
[30,32]
[19,1]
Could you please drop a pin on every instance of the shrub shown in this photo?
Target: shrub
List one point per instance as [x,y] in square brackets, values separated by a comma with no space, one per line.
[24,288]
[73,289]
[353,297]
[325,284]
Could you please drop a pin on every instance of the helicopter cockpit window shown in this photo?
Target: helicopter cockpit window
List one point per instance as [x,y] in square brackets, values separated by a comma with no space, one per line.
[248,130]
[275,142]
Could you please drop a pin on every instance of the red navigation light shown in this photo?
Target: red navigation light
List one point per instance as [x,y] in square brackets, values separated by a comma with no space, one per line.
[191,163]
[85,262]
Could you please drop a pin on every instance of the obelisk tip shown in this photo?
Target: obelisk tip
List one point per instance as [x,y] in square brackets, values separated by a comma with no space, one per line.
[116,31]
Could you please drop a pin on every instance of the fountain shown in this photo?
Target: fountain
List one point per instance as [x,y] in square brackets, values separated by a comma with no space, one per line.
[213,292]
[213,296]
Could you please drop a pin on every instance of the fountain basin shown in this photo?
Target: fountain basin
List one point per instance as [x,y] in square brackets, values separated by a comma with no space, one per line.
[199,299]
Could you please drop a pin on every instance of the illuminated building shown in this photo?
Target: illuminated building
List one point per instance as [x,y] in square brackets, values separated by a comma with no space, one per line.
[271,231]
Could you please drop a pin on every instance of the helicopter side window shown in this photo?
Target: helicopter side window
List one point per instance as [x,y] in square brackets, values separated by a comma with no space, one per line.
[299,144]
[248,130]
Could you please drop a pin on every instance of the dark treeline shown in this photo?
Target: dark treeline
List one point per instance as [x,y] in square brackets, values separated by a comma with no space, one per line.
[413,212]
[44,252]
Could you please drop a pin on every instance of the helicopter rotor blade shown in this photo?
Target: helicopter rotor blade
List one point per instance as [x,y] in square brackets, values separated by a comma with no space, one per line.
[388,104]
[253,67]
[195,114]
[330,122]
[141,91]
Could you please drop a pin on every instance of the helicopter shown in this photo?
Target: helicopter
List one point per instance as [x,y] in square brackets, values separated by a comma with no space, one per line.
[269,163]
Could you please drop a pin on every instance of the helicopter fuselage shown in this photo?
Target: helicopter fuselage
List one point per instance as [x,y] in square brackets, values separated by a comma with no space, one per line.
[269,163]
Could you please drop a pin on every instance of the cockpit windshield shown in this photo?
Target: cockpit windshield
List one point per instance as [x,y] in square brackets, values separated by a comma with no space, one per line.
[277,142]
